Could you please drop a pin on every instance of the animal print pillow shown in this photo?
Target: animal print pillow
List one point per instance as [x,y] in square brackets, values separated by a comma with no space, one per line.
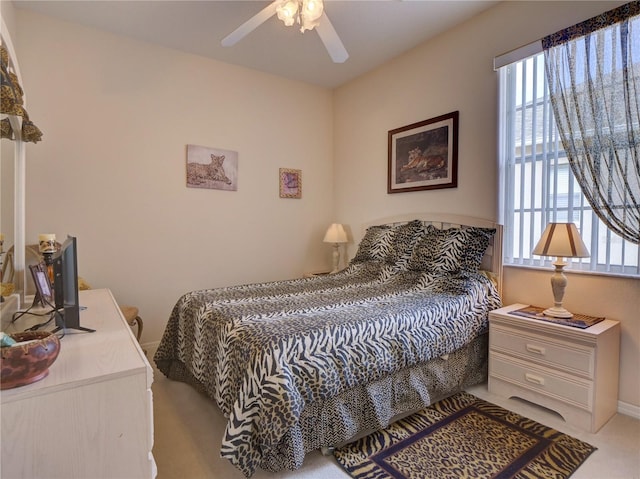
[376,245]
[405,239]
[427,250]
[451,250]
[476,245]
[390,244]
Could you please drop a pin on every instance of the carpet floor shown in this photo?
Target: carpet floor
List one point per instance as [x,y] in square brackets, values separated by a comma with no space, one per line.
[464,436]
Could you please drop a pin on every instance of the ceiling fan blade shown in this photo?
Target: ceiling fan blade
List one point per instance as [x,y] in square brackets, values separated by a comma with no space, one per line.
[331,40]
[250,25]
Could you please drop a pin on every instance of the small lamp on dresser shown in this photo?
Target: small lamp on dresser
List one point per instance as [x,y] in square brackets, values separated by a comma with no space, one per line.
[336,235]
[563,241]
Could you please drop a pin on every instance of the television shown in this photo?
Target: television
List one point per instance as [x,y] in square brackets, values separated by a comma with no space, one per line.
[65,286]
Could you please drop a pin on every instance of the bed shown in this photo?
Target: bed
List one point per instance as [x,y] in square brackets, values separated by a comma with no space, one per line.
[310,363]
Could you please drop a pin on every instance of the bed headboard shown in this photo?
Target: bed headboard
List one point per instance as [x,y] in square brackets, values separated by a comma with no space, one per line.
[492,259]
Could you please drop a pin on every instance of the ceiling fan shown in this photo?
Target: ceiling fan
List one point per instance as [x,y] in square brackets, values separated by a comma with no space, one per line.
[308,14]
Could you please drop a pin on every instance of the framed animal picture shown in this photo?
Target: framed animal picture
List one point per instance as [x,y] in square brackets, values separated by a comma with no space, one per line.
[424,155]
[290,183]
[212,168]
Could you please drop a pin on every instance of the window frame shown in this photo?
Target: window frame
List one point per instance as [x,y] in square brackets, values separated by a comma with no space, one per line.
[582,214]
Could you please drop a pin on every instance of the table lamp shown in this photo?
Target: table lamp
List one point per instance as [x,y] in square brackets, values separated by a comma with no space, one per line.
[336,235]
[563,241]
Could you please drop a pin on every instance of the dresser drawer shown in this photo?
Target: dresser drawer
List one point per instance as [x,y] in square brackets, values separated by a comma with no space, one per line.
[544,381]
[565,356]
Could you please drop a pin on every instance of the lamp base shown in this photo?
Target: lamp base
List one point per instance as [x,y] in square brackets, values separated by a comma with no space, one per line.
[557,312]
[336,258]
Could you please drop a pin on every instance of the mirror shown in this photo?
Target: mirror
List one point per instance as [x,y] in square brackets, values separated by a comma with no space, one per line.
[12,175]
[7,152]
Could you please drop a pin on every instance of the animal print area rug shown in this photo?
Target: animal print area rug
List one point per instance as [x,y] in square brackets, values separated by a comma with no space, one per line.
[464,437]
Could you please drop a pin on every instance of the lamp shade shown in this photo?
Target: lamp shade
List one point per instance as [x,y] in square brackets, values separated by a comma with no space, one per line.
[562,240]
[335,234]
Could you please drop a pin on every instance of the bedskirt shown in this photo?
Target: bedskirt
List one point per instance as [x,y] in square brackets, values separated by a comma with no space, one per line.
[368,407]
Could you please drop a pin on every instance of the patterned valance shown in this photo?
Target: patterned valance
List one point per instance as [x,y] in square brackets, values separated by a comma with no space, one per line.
[599,22]
[12,103]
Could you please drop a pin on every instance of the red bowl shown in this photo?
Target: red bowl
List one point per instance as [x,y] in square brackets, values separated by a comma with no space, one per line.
[28,363]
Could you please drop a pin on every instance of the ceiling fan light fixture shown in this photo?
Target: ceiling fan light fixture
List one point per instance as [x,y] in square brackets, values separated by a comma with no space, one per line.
[287,11]
[306,12]
[311,12]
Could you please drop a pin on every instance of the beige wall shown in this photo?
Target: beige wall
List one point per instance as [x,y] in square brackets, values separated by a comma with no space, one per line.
[454,72]
[117,115]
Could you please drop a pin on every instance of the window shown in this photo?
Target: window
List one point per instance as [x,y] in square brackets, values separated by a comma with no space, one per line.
[537,185]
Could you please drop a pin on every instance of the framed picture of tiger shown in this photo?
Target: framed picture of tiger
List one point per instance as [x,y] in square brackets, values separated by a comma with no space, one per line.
[290,183]
[424,155]
[212,168]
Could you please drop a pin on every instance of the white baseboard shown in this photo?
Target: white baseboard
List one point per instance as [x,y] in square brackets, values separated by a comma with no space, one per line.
[629,409]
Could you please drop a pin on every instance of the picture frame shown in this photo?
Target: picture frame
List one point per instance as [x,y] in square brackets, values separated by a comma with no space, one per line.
[212,168]
[424,155]
[44,290]
[290,183]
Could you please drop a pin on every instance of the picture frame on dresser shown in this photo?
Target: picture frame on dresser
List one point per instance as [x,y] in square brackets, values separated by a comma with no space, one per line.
[44,290]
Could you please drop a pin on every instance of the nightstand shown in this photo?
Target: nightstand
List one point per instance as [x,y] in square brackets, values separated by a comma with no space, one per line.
[569,370]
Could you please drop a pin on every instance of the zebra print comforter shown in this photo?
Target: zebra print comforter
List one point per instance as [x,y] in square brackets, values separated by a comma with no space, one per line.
[265,351]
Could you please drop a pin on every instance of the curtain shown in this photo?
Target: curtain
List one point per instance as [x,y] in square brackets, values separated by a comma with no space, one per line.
[12,103]
[593,72]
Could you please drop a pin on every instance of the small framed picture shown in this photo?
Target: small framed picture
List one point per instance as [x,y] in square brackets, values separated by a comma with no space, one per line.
[424,155]
[290,183]
[44,292]
[212,168]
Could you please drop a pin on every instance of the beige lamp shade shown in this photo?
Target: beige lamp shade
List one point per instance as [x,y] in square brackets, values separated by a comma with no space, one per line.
[335,234]
[562,240]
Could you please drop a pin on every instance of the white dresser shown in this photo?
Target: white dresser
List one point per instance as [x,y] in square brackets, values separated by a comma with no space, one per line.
[569,370]
[92,416]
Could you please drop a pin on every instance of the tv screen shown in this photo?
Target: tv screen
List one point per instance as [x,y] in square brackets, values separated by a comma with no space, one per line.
[65,286]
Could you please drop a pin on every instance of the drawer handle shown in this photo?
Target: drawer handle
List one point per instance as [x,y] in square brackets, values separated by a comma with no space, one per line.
[532,348]
[532,378]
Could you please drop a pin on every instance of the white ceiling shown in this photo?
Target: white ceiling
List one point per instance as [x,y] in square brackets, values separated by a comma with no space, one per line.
[373,31]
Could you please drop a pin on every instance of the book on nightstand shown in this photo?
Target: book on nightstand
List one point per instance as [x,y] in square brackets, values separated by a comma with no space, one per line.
[578,320]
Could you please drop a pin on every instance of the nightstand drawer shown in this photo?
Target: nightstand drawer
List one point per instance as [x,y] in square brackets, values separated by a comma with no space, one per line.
[564,356]
[544,381]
